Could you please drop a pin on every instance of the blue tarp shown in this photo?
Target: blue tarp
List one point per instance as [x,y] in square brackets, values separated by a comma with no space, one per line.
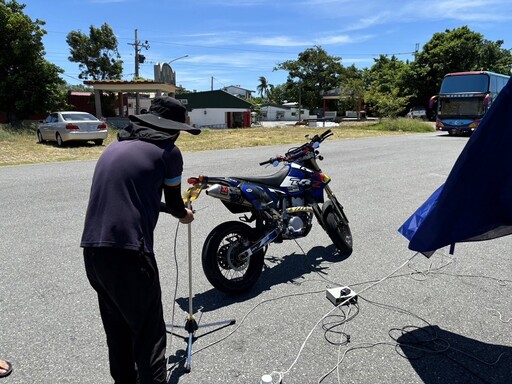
[475,202]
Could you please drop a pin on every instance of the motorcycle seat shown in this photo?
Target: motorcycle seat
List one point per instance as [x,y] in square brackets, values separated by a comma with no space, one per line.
[274,180]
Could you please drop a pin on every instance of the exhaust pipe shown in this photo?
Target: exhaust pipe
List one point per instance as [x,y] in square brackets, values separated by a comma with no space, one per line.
[229,194]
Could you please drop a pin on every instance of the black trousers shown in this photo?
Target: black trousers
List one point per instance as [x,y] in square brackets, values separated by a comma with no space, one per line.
[130,301]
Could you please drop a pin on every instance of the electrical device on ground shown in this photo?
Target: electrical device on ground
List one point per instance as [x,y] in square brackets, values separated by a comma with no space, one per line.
[191,325]
[341,295]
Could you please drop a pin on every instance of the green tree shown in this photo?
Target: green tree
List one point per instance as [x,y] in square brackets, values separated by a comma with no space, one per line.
[495,58]
[313,71]
[28,83]
[455,50]
[97,54]
[277,94]
[352,90]
[263,87]
[386,95]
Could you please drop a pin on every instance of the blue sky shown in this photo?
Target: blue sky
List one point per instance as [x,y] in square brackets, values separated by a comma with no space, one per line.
[234,42]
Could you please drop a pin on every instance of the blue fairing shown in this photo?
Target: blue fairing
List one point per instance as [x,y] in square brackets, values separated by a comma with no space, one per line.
[260,197]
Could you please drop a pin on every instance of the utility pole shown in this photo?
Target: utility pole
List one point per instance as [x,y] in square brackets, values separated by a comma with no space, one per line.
[299,102]
[138,60]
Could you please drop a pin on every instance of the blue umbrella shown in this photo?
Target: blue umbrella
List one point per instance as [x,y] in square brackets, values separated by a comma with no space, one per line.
[475,202]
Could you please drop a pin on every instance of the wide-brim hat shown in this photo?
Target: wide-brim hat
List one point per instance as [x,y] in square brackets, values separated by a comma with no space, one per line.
[166,114]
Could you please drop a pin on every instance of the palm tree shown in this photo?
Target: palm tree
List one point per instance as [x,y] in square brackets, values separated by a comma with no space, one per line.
[262,88]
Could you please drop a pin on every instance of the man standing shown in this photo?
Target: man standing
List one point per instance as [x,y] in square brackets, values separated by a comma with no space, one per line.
[123,210]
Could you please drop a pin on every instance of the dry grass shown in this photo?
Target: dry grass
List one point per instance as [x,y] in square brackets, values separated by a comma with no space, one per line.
[21,147]
[252,137]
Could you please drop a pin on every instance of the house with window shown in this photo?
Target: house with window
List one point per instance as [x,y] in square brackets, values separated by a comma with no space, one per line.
[216,109]
[236,90]
[284,112]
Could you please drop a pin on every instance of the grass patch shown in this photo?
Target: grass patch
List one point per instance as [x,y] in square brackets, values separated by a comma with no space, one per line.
[10,133]
[403,125]
[18,145]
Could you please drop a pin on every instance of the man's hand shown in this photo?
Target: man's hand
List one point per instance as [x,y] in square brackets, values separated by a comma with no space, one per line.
[188,218]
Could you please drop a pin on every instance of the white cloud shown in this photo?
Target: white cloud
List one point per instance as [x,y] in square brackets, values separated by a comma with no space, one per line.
[286,41]
[278,41]
[471,10]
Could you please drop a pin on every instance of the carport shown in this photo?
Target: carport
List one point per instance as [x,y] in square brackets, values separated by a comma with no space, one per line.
[119,87]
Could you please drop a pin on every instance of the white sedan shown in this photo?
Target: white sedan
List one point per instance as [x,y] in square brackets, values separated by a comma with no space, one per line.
[71,126]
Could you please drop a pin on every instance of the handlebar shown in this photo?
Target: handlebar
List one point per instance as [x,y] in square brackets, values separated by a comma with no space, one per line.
[298,152]
[272,160]
[322,136]
[269,161]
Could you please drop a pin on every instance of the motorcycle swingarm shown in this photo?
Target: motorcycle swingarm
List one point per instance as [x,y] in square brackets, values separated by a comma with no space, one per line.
[264,241]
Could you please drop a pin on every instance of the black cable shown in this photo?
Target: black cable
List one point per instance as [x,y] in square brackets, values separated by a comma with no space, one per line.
[331,326]
[431,344]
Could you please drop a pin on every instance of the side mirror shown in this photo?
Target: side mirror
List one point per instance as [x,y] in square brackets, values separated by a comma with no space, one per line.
[432,101]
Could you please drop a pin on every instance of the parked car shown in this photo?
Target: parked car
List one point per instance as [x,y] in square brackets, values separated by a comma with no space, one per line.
[67,126]
[417,113]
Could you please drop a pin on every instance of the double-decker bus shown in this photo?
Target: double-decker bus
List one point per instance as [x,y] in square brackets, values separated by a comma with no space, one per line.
[464,98]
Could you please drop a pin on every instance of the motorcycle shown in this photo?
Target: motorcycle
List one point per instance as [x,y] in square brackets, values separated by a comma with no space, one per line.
[280,206]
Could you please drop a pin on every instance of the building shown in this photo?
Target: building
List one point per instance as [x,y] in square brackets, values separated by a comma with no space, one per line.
[285,112]
[216,109]
[236,90]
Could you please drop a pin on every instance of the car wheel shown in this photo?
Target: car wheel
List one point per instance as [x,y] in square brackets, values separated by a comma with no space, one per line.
[60,143]
[98,142]
[39,137]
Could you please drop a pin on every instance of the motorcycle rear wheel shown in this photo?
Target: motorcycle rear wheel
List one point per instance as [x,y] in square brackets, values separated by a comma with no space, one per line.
[337,229]
[221,264]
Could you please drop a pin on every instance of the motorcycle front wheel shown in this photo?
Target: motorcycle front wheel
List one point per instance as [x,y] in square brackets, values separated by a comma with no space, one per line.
[223,267]
[337,229]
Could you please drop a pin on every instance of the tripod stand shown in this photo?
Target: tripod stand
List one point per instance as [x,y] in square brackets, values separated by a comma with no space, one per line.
[191,325]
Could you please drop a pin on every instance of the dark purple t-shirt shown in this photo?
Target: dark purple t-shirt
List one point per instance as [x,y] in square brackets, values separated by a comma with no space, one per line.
[126,192]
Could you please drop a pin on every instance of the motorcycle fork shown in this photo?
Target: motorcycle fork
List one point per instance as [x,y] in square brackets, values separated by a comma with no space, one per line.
[337,206]
[330,194]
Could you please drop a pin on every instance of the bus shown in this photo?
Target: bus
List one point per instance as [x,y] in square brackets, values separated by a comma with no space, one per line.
[464,98]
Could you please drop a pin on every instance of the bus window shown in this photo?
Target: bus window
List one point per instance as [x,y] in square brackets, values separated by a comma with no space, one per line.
[502,81]
[494,84]
[469,83]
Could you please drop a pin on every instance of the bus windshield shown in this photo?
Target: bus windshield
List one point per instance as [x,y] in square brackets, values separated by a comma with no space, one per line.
[469,107]
[465,83]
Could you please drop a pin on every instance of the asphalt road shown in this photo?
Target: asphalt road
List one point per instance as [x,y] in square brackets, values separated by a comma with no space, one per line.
[455,310]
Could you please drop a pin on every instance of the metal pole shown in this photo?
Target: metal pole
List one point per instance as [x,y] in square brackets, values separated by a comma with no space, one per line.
[137,97]
[299,103]
[190,307]
[173,60]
